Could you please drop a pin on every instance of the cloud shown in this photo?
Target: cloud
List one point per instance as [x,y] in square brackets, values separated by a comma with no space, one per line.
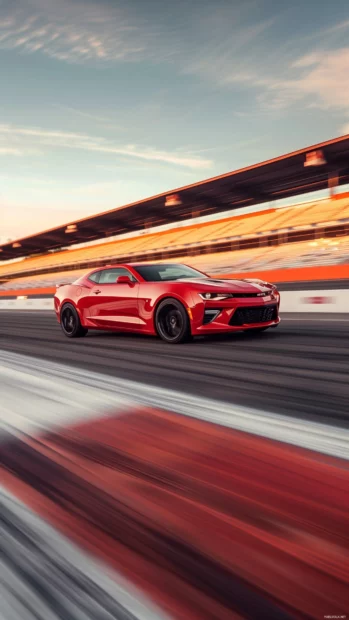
[318,78]
[44,133]
[229,42]
[307,61]
[238,55]
[18,152]
[344,25]
[209,42]
[102,120]
[44,138]
[97,189]
[74,32]
[322,81]
[328,79]
[7,150]
[25,180]
[153,155]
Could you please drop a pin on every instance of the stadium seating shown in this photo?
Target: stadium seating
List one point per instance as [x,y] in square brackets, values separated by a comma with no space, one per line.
[47,280]
[302,254]
[308,214]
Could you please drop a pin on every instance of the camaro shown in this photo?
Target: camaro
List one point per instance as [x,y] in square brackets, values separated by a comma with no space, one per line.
[172,301]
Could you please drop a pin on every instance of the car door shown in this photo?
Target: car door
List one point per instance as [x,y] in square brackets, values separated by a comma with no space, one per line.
[113,304]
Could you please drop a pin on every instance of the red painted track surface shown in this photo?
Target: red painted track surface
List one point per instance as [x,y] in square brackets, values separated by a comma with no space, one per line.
[212,523]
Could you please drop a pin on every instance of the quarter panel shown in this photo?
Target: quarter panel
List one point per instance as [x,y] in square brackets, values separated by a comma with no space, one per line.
[74,294]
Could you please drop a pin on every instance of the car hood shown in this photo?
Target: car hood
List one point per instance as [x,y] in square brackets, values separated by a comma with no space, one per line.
[231,286]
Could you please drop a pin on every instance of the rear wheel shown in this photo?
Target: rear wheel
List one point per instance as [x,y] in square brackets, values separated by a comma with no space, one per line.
[70,322]
[172,322]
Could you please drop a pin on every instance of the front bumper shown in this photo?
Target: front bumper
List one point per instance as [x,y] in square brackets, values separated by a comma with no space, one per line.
[235,315]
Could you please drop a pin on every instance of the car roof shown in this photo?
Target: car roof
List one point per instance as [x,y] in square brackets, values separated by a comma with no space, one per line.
[151,264]
[114,265]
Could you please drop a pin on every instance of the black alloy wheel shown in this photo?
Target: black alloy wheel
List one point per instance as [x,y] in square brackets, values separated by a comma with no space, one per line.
[172,322]
[70,322]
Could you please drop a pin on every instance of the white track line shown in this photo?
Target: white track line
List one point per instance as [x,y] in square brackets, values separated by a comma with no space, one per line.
[37,394]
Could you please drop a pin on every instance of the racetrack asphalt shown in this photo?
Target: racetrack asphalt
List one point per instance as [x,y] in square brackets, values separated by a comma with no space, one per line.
[301,368]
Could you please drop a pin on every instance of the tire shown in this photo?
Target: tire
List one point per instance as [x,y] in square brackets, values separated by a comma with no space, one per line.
[172,322]
[70,322]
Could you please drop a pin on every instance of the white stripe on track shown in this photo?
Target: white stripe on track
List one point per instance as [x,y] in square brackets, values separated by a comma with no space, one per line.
[38,394]
[68,581]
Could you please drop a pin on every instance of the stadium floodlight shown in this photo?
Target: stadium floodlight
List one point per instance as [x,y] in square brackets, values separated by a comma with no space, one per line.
[173,200]
[315,158]
[70,229]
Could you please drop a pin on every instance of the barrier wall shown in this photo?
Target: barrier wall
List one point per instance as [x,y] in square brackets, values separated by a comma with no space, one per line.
[315,301]
[27,304]
[336,300]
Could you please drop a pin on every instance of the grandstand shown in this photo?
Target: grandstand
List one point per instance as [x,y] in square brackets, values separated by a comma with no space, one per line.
[303,236]
[319,235]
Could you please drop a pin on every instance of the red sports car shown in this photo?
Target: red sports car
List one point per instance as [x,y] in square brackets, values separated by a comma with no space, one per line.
[172,301]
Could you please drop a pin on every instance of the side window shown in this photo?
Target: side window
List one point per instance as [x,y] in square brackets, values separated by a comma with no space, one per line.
[108,276]
[95,276]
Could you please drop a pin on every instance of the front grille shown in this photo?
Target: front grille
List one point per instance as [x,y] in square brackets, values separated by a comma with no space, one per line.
[255,314]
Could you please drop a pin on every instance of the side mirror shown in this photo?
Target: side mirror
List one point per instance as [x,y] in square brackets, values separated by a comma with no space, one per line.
[123,280]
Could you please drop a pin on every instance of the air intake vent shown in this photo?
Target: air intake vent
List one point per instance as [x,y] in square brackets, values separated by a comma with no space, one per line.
[210,315]
[247,316]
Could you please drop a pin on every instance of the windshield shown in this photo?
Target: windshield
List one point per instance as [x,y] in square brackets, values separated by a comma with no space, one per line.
[165,273]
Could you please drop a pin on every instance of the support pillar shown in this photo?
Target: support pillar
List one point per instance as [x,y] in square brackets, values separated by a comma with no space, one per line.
[333,182]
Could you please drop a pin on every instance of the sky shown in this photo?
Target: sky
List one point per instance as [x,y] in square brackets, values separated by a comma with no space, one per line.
[104,102]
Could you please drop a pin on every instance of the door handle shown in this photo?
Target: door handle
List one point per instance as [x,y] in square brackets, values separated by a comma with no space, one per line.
[97,292]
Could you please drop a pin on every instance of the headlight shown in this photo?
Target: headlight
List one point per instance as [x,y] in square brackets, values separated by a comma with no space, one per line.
[215,296]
